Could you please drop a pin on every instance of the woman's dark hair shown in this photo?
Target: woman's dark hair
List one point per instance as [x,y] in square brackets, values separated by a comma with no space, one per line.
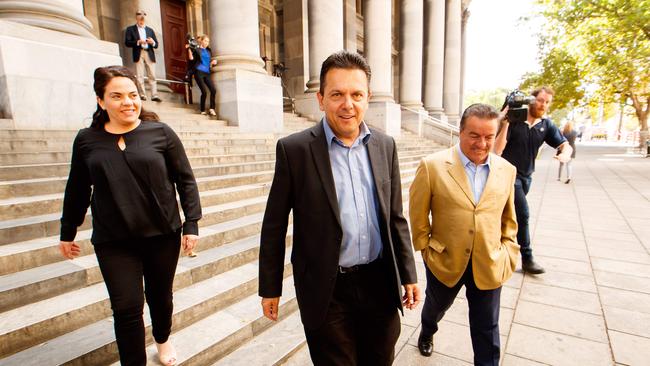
[103,75]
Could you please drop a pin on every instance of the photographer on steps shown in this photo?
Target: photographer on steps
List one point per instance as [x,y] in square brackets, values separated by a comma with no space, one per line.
[200,57]
[519,142]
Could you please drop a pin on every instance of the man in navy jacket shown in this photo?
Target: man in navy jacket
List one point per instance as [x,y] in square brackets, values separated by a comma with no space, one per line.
[139,37]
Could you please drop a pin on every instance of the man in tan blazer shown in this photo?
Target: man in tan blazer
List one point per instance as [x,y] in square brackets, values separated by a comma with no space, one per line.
[471,237]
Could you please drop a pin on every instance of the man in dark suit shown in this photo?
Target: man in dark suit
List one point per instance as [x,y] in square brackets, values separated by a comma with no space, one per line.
[351,247]
[139,37]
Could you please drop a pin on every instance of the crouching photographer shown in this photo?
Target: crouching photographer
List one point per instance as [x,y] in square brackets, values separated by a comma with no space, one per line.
[200,56]
[523,130]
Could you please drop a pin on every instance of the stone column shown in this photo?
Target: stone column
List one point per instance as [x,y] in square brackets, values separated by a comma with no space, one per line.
[195,15]
[411,65]
[296,46]
[325,20]
[434,57]
[383,112]
[451,85]
[48,58]
[59,15]
[246,96]
[128,8]
[462,61]
[350,25]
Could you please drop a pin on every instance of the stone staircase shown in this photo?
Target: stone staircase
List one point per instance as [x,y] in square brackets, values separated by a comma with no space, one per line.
[55,311]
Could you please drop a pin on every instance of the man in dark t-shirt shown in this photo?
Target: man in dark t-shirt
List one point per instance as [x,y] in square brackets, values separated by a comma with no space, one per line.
[519,143]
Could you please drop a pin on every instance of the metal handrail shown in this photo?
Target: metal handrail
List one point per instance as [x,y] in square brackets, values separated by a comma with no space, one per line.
[436,121]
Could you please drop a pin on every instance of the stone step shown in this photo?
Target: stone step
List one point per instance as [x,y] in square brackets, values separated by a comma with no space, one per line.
[272,347]
[193,147]
[94,344]
[220,154]
[32,227]
[45,281]
[212,338]
[300,358]
[61,275]
[51,185]
[31,171]
[25,205]
[37,322]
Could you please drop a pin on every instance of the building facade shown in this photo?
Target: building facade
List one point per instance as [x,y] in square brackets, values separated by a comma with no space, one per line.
[415,49]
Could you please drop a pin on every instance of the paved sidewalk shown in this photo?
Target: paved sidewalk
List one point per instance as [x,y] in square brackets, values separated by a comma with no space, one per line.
[592,306]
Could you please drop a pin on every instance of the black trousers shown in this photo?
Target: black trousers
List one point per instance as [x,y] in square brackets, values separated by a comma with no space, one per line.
[362,324]
[204,82]
[522,186]
[483,314]
[124,264]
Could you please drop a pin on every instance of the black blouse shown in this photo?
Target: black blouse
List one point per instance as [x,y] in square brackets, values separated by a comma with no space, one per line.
[133,193]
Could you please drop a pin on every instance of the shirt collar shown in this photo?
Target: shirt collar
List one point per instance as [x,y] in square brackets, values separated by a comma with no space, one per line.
[364,133]
[465,160]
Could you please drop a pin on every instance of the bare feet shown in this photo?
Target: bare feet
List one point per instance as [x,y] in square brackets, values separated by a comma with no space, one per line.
[166,353]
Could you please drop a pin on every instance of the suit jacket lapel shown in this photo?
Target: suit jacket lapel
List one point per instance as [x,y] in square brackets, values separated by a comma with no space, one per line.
[377,157]
[457,172]
[321,157]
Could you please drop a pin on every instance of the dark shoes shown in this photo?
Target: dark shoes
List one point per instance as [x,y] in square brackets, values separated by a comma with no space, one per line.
[156,98]
[529,266]
[425,345]
[143,97]
[567,181]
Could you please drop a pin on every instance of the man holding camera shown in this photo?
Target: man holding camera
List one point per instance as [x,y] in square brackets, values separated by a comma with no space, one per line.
[519,142]
[141,38]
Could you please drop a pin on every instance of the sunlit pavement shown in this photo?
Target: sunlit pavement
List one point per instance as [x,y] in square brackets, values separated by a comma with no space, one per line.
[592,306]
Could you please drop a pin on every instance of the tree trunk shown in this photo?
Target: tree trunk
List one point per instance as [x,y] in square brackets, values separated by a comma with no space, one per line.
[642,116]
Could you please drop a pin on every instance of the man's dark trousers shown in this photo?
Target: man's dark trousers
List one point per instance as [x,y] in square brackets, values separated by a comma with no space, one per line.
[522,186]
[483,314]
[362,324]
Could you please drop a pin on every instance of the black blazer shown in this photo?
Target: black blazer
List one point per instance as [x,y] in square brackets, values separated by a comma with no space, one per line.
[303,182]
[131,37]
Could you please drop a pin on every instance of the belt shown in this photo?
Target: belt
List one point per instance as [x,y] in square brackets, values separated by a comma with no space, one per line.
[358,267]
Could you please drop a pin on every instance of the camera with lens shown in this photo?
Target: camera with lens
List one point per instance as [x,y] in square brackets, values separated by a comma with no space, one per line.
[518,102]
[191,41]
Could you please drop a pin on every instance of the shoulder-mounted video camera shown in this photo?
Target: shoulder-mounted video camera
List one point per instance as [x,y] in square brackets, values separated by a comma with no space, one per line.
[192,41]
[518,102]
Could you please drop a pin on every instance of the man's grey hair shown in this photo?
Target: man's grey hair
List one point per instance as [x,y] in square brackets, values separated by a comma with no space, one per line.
[479,110]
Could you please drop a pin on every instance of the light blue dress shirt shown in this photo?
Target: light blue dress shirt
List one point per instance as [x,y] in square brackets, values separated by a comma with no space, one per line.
[357,198]
[143,36]
[477,175]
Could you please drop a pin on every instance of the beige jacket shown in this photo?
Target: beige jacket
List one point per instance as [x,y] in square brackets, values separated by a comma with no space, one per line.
[461,228]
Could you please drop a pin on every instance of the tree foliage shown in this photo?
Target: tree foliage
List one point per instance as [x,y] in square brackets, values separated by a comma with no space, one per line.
[595,51]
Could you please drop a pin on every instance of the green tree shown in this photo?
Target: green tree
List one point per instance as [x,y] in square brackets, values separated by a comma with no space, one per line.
[597,50]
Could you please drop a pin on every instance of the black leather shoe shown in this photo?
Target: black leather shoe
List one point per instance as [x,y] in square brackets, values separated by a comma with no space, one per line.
[425,345]
[156,98]
[529,266]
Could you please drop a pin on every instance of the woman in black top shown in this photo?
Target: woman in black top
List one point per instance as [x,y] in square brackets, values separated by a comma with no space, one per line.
[201,60]
[128,167]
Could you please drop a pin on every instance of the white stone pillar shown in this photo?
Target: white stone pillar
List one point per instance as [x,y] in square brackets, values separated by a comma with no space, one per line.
[411,53]
[59,15]
[434,57]
[246,96]
[463,63]
[383,112]
[325,37]
[48,59]
[451,85]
